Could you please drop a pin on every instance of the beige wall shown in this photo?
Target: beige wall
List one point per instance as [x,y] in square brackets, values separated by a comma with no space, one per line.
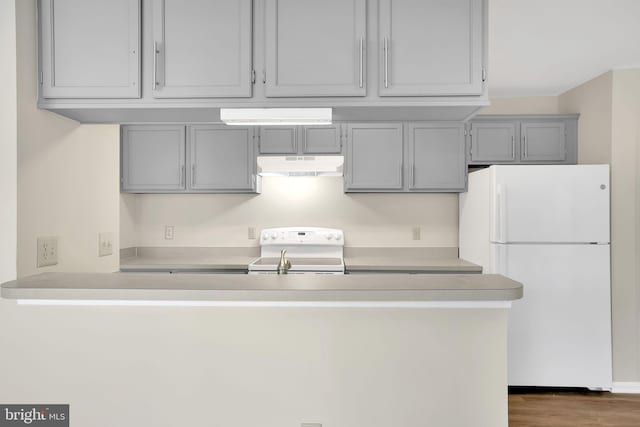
[267,367]
[128,212]
[222,220]
[67,173]
[625,223]
[523,105]
[593,100]
[609,108]
[8,138]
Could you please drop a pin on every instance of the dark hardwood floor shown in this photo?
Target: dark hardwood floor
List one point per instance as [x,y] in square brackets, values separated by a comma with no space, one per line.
[573,409]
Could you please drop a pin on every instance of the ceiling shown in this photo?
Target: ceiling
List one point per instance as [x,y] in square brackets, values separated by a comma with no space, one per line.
[546,47]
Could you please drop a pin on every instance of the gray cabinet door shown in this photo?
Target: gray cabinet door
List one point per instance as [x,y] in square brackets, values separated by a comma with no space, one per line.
[493,142]
[153,158]
[437,157]
[430,47]
[315,48]
[202,48]
[322,139]
[221,158]
[543,142]
[278,140]
[90,48]
[374,158]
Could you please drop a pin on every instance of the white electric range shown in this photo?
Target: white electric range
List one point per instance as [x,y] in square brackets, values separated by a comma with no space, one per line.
[310,250]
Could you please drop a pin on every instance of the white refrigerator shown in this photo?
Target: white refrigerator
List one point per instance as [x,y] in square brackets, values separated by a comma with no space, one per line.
[548,228]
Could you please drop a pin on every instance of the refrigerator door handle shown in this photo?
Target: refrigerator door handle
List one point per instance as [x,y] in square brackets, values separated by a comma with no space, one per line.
[500,221]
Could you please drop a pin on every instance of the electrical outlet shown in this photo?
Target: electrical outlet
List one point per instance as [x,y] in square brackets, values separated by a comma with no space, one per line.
[416,232]
[168,232]
[47,251]
[251,233]
[105,244]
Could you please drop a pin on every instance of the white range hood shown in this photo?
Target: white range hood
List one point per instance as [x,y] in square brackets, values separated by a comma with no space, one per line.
[300,165]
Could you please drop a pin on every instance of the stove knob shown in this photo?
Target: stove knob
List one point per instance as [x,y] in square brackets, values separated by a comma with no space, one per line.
[329,236]
[338,236]
[274,236]
[265,237]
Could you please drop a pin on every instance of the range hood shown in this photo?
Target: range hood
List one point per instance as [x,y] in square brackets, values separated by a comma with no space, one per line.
[300,165]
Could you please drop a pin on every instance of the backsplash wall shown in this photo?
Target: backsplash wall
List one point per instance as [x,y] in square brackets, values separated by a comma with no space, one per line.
[219,220]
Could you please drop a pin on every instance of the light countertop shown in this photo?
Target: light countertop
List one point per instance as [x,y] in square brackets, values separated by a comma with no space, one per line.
[357,260]
[265,288]
[393,264]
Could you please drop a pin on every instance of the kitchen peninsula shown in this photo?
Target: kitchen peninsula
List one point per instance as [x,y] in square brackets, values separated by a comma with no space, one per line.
[364,349]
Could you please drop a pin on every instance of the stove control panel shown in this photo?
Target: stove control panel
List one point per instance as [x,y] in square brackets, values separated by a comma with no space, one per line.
[302,236]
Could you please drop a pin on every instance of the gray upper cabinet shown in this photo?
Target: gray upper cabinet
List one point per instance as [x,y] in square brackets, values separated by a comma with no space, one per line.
[221,158]
[90,48]
[430,47]
[437,157]
[201,48]
[493,142]
[315,48]
[374,157]
[278,140]
[322,139]
[543,142]
[523,139]
[153,158]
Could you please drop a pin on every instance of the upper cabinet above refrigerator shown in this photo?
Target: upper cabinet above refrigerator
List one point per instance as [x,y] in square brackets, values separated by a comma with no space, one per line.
[431,47]
[315,48]
[201,48]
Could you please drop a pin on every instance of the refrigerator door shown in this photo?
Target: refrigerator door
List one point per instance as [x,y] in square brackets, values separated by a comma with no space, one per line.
[560,331]
[550,204]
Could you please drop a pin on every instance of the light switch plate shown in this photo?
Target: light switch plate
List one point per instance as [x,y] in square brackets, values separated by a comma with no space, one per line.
[168,232]
[105,244]
[47,251]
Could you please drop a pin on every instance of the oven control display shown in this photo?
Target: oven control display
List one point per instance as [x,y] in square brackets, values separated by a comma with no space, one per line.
[295,235]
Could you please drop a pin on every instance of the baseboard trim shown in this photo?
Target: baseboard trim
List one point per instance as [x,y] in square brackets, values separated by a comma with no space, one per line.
[626,387]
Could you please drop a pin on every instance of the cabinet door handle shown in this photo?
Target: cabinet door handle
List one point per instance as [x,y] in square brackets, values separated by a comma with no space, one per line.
[361,62]
[193,175]
[524,142]
[513,147]
[386,62]
[182,176]
[413,176]
[155,65]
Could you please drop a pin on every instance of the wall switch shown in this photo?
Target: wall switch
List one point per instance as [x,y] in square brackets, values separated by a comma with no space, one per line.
[168,232]
[47,251]
[416,232]
[251,233]
[105,244]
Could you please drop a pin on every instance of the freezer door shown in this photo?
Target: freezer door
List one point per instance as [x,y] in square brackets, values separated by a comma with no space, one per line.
[548,204]
[560,331]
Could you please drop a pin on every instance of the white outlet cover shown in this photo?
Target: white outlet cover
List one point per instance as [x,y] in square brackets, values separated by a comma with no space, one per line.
[417,232]
[105,244]
[47,251]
